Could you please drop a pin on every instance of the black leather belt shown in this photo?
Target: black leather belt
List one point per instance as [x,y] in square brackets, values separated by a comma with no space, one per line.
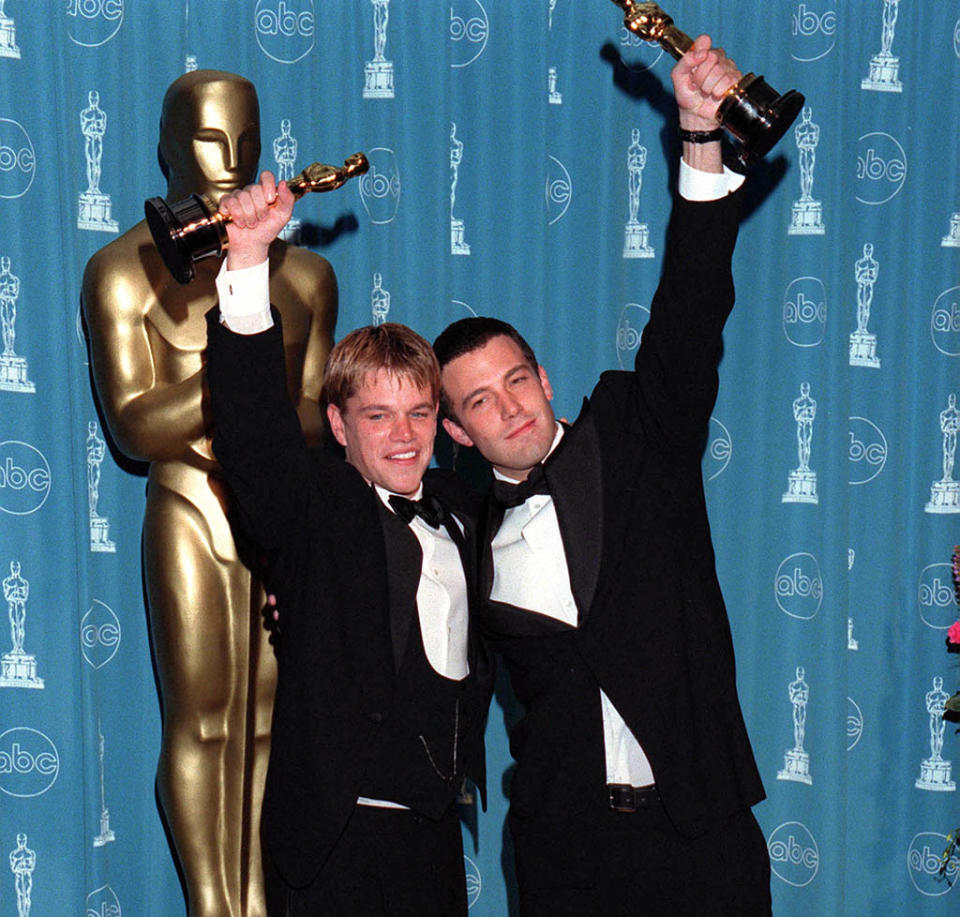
[625,798]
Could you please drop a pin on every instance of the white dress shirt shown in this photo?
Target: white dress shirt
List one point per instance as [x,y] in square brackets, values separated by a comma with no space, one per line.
[530,571]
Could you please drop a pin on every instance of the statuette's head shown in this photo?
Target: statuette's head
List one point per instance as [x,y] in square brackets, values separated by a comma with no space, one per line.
[209,134]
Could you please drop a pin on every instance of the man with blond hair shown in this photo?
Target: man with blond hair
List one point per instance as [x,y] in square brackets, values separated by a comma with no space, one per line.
[382,690]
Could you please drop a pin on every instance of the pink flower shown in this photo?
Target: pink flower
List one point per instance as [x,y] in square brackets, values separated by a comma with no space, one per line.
[953,635]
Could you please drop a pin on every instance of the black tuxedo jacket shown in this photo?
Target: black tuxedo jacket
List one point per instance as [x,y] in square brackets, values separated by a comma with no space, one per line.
[348,613]
[653,631]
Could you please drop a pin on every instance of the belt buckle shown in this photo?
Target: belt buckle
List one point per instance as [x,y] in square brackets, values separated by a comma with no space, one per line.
[621,797]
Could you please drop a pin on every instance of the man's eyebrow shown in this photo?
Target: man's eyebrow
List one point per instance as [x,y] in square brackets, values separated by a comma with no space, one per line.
[389,407]
[482,388]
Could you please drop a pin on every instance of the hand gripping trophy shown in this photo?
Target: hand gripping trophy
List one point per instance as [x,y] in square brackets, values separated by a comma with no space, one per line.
[192,229]
[147,335]
[753,112]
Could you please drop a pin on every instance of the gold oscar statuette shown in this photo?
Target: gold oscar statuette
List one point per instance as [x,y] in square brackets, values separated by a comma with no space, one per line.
[191,229]
[753,112]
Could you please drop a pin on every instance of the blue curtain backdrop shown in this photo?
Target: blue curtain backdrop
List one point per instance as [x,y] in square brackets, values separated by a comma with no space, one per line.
[499,133]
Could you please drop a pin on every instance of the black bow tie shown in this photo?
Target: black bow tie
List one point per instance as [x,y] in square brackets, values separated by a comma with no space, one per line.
[429,509]
[510,495]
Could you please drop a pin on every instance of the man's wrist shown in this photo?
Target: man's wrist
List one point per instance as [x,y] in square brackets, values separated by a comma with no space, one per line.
[691,122]
[239,259]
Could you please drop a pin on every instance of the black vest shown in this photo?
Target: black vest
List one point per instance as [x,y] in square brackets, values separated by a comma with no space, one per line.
[419,753]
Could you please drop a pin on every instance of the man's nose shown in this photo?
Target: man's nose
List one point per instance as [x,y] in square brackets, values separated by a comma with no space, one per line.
[402,429]
[509,405]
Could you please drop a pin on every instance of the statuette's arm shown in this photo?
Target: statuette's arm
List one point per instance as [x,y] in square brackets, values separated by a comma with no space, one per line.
[148,420]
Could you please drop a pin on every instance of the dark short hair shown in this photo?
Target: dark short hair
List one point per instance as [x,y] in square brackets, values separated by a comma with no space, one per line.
[393,347]
[469,334]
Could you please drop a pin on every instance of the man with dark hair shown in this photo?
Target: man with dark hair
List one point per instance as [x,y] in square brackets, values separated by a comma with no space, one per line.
[382,691]
[635,775]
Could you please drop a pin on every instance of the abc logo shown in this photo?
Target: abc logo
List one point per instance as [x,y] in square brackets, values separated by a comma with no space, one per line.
[380,186]
[559,190]
[814,33]
[805,312]
[923,864]
[867,452]
[29,763]
[99,634]
[798,586]
[945,322]
[103,903]
[935,596]
[633,319]
[469,30]
[92,23]
[881,168]
[474,881]
[956,38]
[794,856]
[286,29]
[854,723]
[18,161]
[24,478]
[719,450]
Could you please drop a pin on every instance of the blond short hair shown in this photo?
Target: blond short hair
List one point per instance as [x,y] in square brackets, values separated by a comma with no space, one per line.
[393,347]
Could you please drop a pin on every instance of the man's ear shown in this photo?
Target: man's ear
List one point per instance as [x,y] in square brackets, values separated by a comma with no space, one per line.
[335,417]
[456,432]
[545,382]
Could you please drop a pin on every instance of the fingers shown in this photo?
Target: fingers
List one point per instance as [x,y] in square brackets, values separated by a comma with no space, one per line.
[250,206]
[709,71]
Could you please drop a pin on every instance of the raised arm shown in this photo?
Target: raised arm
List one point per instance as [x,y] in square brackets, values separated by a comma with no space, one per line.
[258,440]
[676,364]
[151,419]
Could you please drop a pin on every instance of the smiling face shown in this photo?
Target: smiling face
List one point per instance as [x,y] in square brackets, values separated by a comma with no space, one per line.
[387,427]
[501,405]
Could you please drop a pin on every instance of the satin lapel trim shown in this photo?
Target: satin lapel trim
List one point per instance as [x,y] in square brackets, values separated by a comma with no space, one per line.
[404,561]
[576,485]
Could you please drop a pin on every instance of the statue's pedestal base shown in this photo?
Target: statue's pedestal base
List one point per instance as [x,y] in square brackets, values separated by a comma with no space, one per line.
[801,488]
[457,244]
[935,775]
[106,835]
[100,536]
[884,74]
[8,38]
[95,212]
[378,80]
[636,241]
[13,375]
[19,670]
[291,232]
[806,219]
[952,238]
[944,497]
[796,766]
[863,349]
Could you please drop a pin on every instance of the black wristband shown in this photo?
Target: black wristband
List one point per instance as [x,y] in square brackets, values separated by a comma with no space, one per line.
[700,136]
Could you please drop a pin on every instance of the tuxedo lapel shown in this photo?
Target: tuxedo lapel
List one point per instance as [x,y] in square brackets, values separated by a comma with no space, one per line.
[404,561]
[573,473]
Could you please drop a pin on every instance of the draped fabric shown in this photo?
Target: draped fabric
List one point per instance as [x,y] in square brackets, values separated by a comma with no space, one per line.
[522,155]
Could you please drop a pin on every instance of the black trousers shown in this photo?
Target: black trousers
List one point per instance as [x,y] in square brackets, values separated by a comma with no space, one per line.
[640,865]
[387,863]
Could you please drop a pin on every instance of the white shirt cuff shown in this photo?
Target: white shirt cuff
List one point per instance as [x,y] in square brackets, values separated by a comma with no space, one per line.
[245,298]
[696,185]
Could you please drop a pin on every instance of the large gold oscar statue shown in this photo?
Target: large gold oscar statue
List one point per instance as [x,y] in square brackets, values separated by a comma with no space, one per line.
[147,334]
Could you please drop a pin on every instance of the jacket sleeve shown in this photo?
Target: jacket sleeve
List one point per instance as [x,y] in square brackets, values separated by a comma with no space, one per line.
[675,380]
[275,479]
